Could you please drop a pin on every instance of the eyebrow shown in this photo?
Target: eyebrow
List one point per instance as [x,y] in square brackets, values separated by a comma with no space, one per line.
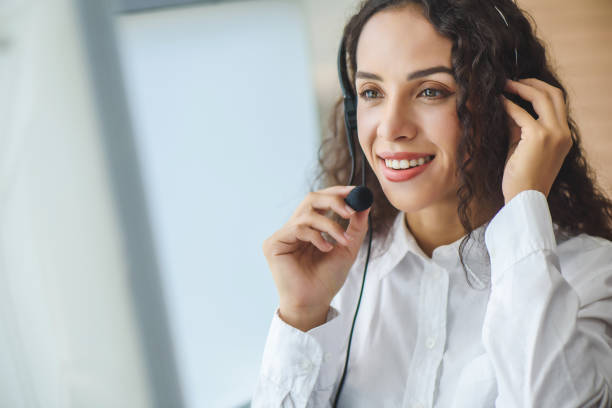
[409,77]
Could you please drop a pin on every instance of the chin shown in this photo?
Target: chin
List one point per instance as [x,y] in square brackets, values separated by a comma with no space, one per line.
[411,200]
[406,202]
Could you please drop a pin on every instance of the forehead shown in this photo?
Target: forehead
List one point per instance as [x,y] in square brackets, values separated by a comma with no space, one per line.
[401,38]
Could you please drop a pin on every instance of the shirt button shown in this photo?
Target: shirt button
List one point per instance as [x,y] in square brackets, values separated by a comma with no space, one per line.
[436,274]
[306,365]
[430,343]
[326,357]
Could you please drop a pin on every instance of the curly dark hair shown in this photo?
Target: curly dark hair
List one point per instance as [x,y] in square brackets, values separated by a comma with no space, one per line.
[482,59]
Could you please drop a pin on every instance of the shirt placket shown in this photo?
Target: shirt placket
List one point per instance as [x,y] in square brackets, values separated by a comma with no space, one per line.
[431,339]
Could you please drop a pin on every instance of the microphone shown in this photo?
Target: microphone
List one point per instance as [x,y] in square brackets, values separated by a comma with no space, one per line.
[360,198]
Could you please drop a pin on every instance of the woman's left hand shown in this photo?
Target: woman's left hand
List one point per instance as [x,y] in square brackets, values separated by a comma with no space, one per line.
[537,147]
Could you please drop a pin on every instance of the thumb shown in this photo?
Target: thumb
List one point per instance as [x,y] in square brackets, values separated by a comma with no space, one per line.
[357,229]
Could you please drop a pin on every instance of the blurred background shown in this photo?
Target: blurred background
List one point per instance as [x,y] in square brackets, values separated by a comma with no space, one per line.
[147,148]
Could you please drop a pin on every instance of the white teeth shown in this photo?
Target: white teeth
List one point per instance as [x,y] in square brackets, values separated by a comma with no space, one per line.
[405,164]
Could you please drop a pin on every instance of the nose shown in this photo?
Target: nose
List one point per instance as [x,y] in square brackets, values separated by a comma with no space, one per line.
[397,121]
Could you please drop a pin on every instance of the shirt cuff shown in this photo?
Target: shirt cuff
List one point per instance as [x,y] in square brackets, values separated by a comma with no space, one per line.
[333,341]
[294,359]
[521,227]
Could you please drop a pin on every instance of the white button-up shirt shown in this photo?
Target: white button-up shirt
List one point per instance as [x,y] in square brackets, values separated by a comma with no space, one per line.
[540,335]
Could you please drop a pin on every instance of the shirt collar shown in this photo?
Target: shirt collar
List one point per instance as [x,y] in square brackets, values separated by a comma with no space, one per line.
[446,256]
[475,255]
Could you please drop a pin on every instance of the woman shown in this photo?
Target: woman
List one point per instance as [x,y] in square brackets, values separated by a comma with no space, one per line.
[492,280]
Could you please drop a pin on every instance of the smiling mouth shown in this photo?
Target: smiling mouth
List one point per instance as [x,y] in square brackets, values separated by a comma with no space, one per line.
[405,164]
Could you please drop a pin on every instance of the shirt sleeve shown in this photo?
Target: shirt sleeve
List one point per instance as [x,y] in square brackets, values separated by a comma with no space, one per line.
[299,369]
[549,341]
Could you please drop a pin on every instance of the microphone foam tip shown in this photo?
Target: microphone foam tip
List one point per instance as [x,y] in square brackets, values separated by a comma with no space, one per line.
[360,198]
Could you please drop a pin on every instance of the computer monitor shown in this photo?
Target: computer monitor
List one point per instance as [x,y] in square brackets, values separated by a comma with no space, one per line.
[144,157]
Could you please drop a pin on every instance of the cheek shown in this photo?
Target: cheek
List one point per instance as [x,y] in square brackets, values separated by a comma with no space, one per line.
[444,129]
[366,131]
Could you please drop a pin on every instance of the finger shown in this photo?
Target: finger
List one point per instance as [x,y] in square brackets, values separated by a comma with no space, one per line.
[518,114]
[340,190]
[358,227]
[324,202]
[541,101]
[323,224]
[314,237]
[555,94]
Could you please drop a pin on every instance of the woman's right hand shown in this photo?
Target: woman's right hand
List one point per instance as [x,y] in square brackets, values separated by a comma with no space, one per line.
[307,269]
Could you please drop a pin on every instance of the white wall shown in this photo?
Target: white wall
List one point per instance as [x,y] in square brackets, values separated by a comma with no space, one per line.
[225,116]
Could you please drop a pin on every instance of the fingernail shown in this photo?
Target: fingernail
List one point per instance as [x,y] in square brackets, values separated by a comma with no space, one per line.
[349,209]
[348,237]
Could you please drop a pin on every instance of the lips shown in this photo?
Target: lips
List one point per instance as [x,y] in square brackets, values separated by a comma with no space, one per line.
[394,175]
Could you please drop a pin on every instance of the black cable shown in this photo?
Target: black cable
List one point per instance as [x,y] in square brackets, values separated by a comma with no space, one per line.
[348,351]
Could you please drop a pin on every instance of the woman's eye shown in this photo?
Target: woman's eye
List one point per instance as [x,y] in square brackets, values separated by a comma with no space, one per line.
[434,93]
[370,94]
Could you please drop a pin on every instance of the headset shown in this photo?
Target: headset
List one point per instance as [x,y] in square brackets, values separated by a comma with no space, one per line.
[361,197]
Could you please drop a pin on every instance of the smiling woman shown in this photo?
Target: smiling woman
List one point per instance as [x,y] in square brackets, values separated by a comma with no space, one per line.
[491,280]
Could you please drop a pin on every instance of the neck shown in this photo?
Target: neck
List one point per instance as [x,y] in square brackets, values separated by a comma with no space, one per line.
[440,225]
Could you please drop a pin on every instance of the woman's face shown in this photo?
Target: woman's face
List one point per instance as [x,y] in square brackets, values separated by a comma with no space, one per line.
[407,109]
